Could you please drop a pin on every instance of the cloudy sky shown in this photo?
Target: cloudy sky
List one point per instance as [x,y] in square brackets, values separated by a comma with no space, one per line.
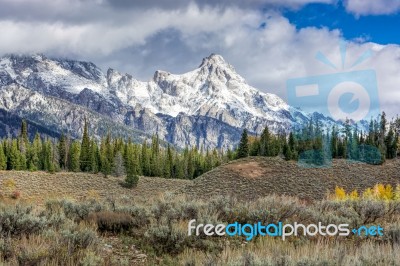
[267,41]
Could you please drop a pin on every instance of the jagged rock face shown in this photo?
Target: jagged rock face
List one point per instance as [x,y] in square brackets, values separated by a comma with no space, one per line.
[208,106]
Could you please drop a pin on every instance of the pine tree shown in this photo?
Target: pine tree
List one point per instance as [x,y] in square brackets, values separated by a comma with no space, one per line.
[118,165]
[145,159]
[94,157]
[131,165]
[168,164]
[85,150]
[243,150]
[190,165]
[74,157]
[178,168]
[334,142]
[265,142]
[3,159]
[14,160]
[24,131]
[63,151]
[287,152]
[33,160]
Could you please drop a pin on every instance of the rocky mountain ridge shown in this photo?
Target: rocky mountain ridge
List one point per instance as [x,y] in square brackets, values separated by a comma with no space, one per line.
[208,106]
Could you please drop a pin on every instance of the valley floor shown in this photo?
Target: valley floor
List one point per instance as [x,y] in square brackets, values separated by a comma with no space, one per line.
[103,223]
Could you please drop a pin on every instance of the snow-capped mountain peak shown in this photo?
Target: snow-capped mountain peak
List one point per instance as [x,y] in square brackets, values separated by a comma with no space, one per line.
[214,90]
[208,105]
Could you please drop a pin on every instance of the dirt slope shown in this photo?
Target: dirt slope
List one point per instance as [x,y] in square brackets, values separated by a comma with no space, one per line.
[254,177]
[40,186]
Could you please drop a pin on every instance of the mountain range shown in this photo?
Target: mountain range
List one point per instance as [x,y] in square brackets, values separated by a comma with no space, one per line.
[207,107]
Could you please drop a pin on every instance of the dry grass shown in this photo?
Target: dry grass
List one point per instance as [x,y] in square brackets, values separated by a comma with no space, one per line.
[38,187]
[255,177]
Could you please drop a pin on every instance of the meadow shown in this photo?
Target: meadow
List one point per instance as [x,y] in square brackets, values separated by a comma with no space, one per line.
[85,219]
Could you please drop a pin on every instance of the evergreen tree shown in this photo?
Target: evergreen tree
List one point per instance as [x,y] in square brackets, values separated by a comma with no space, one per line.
[14,160]
[190,165]
[104,157]
[265,142]
[46,155]
[63,151]
[334,142]
[243,150]
[74,157]
[287,152]
[131,166]
[24,131]
[94,157]
[3,159]
[34,153]
[145,160]
[84,159]
[118,165]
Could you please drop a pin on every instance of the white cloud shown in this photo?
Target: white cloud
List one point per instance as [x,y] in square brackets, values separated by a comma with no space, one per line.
[373,7]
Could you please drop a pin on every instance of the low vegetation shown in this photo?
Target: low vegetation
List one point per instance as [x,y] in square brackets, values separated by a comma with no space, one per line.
[253,177]
[71,233]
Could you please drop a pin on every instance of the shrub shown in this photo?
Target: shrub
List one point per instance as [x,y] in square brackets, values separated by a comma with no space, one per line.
[369,211]
[392,235]
[166,239]
[91,259]
[6,249]
[81,211]
[131,180]
[31,252]
[340,193]
[77,238]
[140,215]
[9,184]
[15,194]
[111,221]
[19,220]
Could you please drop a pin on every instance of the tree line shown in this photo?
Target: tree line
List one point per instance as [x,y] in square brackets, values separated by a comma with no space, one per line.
[312,144]
[109,156]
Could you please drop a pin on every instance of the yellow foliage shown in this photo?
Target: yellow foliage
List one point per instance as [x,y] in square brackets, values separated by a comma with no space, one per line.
[368,194]
[378,192]
[396,195]
[340,193]
[389,195]
[354,195]
[383,192]
[9,184]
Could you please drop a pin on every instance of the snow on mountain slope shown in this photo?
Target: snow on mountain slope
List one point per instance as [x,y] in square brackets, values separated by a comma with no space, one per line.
[208,106]
[71,76]
[59,115]
[214,90]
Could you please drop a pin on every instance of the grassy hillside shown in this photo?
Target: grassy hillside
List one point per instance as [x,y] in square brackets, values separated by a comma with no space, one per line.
[86,219]
[248,178]
[254,177]
[41,186]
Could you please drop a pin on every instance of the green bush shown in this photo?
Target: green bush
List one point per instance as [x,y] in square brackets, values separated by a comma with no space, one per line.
[131,180]
[111,221]
[79,212]
[76,238]
[140,215]
[20,220]
[166,239]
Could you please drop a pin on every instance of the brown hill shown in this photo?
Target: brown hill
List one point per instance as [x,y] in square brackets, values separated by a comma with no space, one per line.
[41,186]
[254,177]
